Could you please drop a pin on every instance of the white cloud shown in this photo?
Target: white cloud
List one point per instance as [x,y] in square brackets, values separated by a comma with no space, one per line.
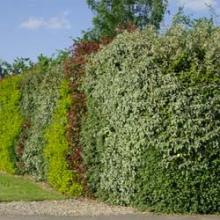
[57,22]
[197,5]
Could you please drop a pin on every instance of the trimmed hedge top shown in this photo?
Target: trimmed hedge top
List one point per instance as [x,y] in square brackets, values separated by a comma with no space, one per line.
[152,132]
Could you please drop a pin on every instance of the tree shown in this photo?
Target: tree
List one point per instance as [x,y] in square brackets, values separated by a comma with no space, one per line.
[112,13]
[5,69]
[20,65]
[1,73]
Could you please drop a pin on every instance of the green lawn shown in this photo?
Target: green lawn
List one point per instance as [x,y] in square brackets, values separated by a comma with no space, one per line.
[13,188]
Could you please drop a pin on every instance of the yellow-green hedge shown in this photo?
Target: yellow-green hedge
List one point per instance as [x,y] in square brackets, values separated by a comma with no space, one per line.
[57,169]
[11,121]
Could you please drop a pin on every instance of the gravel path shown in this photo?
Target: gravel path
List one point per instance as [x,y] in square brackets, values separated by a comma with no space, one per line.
[115,217]
[81,207]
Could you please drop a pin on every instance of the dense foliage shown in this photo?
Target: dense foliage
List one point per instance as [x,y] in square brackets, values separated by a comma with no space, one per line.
[37,143]
[152,132]
[133,121]
[40,91]
[110,14]
[56,150]
[11,121]
[75,71]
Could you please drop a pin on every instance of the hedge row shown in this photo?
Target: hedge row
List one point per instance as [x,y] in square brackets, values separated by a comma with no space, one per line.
[40,92]
[151,135]
[57,148]
[34,112]
[11,122]
[74,72]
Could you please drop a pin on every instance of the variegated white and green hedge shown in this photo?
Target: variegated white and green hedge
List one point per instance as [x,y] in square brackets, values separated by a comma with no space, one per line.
[152,132]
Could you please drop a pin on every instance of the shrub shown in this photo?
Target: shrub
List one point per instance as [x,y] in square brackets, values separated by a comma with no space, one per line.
[11,121]
[56,150]
[40,91]
[75,71]
[151,135]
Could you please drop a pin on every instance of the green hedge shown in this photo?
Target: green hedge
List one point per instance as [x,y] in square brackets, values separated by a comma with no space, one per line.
[40,92]
[152,132]
[33,115]
[11,121]
[59,175]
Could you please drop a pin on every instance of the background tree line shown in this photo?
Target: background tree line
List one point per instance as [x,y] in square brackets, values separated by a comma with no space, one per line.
[109,15]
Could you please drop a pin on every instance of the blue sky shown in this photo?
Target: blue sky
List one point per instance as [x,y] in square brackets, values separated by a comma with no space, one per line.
[31,27]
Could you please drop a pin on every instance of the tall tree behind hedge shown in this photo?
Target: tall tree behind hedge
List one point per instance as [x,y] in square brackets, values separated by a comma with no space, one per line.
[112,13]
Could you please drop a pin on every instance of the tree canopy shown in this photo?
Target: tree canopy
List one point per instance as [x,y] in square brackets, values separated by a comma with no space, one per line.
[112,13]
